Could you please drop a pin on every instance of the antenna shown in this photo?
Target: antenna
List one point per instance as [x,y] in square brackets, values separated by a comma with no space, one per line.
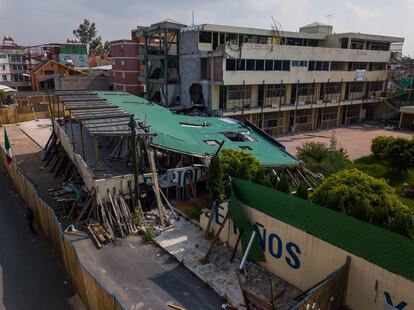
[329,16]
[192,13]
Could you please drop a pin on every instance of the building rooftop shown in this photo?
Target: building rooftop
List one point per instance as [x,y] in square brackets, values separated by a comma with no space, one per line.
[200,136]
[384,248]
[293,34]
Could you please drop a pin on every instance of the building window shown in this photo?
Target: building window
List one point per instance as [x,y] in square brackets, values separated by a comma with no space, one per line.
[337,66]
[318,65]
[122,63]
[275,90]
[204,37]
[299,63]
[277,65]
[333,88]
[16,78]
[19,67]
[250,65]
[239,92]
[21,77]
[14,67]
[232,38]
[286,65]
[48,72]
[259,64]
[378,66]
[230,64]
[303,117]
[357,87]
[4,77]
[329,114]
[269,65]
[255,39]
[306,89]
[123,75]
[376,46]
[376,86]
[358,66]
[4,67]
[203,67]
[357,45]
[240,64]
[212,142]
[3,56]
[294,41]
[273,120]
[245,147]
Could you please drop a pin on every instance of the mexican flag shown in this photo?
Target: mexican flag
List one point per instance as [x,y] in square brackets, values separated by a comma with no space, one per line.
[7,147]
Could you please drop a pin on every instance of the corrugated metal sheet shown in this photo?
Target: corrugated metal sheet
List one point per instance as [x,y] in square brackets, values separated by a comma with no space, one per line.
[190,134]
[388,250]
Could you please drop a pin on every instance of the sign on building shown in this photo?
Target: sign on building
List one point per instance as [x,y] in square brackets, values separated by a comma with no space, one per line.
[76,53]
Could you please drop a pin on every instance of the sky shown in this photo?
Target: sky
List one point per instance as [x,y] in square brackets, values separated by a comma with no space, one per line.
[43,21]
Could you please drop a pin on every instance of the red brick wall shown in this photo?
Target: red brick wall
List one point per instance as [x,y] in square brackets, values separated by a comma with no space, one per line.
[126,66]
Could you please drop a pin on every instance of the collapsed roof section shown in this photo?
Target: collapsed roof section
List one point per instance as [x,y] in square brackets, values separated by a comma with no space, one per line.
[200,136]
[97,115]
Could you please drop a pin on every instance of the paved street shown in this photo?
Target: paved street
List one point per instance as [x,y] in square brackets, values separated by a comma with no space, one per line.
[29,275]
[144,276]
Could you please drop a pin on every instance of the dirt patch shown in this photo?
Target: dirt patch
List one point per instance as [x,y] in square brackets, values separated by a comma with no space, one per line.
[356,140]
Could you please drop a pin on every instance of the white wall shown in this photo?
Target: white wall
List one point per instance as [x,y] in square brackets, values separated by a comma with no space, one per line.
[313,259]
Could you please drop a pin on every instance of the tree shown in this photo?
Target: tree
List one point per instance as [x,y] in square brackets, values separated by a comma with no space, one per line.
[86,32]
[95,47]
[302,191]
[379,144]
[239,164]
[359,195]
[107,48]
[315,151]
[215,180]
[320,158]
[338,158]
[400,154]
[284,184]
[3,96]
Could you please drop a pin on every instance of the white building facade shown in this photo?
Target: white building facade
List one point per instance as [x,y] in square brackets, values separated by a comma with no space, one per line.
[285,81]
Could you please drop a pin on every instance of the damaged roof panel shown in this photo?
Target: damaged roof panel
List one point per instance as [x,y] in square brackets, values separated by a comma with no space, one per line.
[191,134]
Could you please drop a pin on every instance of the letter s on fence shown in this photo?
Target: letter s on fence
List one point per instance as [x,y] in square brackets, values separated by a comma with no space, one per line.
[293,261]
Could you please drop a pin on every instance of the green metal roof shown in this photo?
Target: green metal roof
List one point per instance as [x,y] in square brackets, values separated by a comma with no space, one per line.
[188,134]
[388,250]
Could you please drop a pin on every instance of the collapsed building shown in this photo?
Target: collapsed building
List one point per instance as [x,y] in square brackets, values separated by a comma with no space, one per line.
[119,145]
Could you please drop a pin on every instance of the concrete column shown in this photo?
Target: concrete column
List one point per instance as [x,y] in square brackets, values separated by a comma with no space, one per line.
[401,118]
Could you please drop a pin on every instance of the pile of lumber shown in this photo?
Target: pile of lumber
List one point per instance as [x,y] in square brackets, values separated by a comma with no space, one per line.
[111,213]
[99,234]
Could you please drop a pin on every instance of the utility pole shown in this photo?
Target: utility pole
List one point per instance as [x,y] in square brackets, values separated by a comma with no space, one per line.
[133,125]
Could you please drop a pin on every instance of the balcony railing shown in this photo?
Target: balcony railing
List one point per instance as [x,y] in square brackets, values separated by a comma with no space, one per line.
[275,107]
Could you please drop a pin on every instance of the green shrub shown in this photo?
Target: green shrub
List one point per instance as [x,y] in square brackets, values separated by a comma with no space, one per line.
[400,154]
[302,191]
[316,151]
[379,144]
[321,158]
[357,194]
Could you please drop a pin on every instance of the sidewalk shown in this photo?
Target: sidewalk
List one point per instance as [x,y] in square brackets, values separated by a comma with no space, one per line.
[187,244]
[30,277]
